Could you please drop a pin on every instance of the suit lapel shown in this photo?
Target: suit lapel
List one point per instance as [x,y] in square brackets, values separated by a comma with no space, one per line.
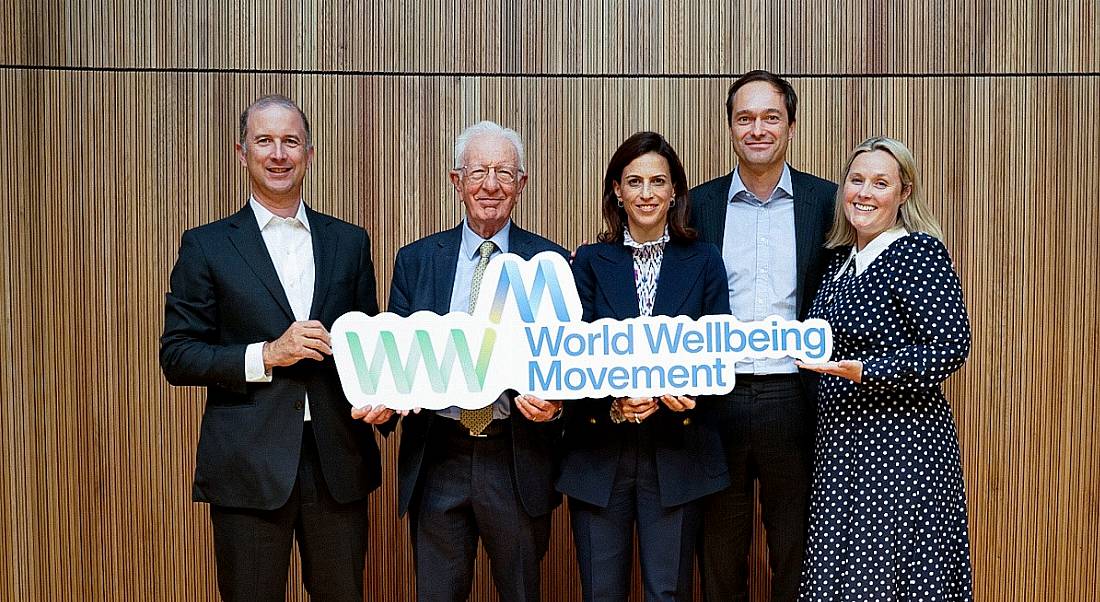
[443,266]
[519,242]
[712,217]
[679,271]
[805,225]
[245,236]
[325,243]
[617,280]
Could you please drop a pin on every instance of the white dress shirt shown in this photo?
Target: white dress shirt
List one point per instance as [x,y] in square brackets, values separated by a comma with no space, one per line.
[290,246]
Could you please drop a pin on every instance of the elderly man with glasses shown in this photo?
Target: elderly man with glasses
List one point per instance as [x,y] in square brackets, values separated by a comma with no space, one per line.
[483,474]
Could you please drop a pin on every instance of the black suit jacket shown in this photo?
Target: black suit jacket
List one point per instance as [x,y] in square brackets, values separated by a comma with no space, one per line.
[814,201]
[225,294]
[690,461]
[423,279]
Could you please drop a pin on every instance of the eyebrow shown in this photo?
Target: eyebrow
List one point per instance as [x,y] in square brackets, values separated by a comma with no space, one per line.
[871,175]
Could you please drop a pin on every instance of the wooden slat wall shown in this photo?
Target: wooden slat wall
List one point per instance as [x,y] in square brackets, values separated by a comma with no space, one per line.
[119,121]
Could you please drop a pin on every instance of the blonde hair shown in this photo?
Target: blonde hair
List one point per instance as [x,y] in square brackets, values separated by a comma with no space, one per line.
[913,213]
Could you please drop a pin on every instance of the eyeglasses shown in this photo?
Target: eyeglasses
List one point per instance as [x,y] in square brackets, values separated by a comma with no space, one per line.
[506,174]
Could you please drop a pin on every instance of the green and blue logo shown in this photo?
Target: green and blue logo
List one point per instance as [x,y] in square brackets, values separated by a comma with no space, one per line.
[419,354]
[545,282]
[526,334]
[422,351]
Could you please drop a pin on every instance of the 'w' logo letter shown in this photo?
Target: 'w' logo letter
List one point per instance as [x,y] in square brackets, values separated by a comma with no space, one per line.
[546,280]
[439,369]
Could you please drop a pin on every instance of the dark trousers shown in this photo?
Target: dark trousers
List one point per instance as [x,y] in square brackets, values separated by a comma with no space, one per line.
[252,547]
[604,537]
[467,492]
[766,424]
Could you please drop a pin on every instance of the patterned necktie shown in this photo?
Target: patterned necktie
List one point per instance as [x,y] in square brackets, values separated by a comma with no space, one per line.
[477,420]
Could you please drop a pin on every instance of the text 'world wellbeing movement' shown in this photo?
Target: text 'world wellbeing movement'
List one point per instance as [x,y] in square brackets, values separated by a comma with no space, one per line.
[527,335]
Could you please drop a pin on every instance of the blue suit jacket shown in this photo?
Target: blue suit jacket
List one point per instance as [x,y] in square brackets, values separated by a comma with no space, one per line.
[423,277]
[690,461]
[226,294]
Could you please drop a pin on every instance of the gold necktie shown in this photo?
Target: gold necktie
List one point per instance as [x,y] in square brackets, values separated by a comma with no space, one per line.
[477,420]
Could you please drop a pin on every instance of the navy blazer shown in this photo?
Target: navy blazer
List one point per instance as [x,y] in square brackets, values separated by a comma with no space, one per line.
[814,208]
[690,461]
[423,279]
[225,294]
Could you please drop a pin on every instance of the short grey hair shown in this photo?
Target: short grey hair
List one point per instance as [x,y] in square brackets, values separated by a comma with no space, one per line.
[274,100]
[486,128]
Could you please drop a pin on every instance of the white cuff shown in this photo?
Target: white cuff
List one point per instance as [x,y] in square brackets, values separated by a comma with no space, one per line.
[254,364]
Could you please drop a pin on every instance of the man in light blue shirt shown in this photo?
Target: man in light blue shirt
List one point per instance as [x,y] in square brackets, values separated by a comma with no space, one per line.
[770,221]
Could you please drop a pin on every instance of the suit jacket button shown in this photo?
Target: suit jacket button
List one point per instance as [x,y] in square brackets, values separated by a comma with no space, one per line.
[298,405]
[687,421]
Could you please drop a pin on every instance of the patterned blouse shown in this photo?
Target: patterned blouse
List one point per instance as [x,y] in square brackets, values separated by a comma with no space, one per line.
[647,268]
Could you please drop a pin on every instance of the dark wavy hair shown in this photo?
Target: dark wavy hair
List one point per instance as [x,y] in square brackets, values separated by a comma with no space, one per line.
[614,216]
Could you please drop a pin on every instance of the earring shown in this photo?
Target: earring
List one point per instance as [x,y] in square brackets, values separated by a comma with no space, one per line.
[672,203]
[620,201]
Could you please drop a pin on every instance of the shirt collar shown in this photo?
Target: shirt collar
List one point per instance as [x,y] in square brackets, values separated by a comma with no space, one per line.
[873,249]
[784,186]
[472,240]
[264,217]
[630,242]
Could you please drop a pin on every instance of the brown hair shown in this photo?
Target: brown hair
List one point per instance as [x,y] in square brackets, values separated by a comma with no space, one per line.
[790,99]
[614,216]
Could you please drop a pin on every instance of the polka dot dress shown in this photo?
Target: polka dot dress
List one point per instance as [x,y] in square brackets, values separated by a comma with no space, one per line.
[888,509]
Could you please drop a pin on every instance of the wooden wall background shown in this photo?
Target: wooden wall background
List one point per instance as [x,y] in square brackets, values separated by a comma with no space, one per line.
[117,128]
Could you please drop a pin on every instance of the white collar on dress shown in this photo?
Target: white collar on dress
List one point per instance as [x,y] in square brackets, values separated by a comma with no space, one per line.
[870,253]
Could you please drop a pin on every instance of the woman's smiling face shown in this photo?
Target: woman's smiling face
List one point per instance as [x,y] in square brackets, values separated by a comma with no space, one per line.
[873,194]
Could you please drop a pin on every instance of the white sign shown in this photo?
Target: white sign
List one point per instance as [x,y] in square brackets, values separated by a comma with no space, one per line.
[526,334]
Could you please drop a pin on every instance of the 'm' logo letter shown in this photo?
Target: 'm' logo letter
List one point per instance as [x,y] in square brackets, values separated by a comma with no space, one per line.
[546,281]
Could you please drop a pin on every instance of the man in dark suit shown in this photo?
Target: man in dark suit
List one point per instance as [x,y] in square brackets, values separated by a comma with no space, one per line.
[770,222]
[461,479]
[252,297]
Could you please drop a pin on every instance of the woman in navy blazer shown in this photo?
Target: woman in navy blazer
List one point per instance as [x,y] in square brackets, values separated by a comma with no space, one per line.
[642,462]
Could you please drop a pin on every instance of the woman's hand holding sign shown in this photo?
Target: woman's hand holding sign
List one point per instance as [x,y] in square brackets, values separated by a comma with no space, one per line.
[636,409]
[850,369]
[678,403]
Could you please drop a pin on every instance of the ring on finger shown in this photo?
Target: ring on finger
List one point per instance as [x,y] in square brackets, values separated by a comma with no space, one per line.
[637,420]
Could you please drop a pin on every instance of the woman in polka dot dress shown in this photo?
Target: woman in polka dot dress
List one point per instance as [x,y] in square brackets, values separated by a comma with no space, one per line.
[888,509]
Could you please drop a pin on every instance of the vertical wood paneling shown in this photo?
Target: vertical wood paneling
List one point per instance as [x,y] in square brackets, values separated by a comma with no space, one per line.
[106,169]
[651,37]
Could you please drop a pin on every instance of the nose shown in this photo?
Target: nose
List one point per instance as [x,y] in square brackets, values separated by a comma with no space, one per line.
[757,127]
[647,190]
[865,190]
[279,152]
[491,182]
